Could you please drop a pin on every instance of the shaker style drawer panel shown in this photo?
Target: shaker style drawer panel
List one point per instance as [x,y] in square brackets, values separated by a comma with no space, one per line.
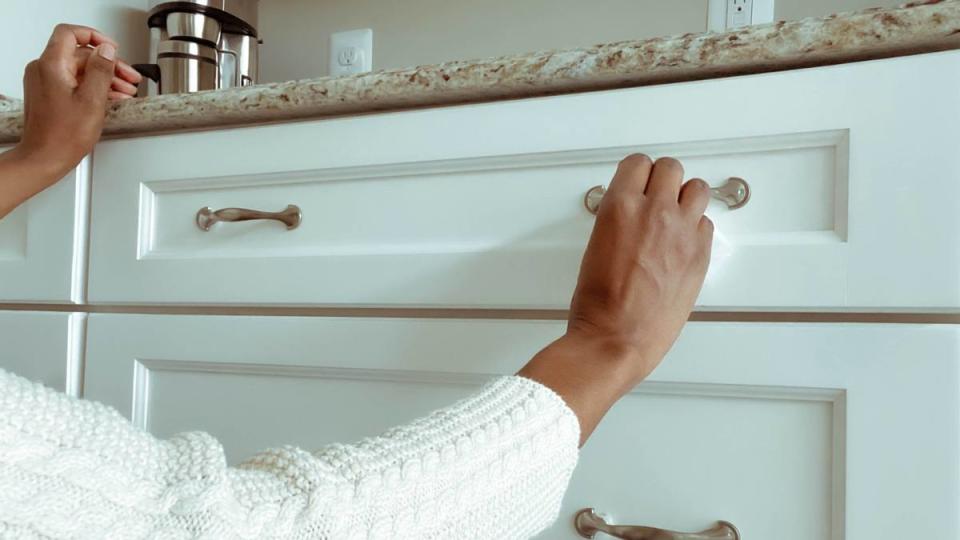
[483,205]
[783,430]
[36,346]
[43,243]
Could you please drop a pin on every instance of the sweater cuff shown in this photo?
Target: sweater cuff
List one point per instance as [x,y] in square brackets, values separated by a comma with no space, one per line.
[510,406]
[552,400]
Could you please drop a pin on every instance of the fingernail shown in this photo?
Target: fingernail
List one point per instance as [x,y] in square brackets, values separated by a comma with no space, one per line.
[107,51]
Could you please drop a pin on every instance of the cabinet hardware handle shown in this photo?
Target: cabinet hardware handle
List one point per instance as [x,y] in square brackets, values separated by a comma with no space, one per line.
[588,523]
[206,216]
[735,193]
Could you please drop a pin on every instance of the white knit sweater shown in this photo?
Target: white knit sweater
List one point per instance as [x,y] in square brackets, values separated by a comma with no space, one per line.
[494,466]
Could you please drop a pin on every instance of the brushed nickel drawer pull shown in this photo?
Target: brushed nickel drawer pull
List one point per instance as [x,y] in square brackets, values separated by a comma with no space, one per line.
[588,523]
[735,193]
[206,216]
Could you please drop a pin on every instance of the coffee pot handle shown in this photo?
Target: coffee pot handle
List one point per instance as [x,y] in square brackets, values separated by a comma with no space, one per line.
[150,71]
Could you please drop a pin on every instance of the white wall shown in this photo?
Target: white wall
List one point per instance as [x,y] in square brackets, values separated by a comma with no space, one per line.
[413,32]
[27,25]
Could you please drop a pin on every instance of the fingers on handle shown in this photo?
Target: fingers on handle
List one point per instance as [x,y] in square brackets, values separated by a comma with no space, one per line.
[706,227]
[67,37]
[98,74]
[665,179]
[695,196]
[630,180]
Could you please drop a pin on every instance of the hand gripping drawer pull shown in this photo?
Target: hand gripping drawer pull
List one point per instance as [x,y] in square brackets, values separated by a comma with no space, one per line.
[735,193]
[206,216]
[588,523]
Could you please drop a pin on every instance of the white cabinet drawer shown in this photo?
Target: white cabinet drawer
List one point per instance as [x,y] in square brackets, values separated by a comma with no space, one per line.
[854,173]
[43,244]
[790,431]
[37,346]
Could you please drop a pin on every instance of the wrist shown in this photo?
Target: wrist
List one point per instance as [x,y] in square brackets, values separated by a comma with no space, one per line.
[590,375]
[23,174]
[44,165]
[42,156]
[622,361]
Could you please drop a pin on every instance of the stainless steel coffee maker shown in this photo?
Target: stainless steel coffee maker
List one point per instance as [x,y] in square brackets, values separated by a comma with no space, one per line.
[200,45]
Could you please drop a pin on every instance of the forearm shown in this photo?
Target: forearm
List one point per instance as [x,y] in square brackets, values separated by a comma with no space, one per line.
[23,175]
[590,376]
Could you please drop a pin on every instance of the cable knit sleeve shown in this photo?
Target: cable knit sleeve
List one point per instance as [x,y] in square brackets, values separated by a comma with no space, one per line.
[495,465]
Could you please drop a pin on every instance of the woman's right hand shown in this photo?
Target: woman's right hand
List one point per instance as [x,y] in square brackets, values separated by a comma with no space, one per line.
[645,263]
[641,273]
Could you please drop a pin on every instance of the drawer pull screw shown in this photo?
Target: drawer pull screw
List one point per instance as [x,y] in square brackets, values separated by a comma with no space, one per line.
[206,216]
[735,193]
[588,523]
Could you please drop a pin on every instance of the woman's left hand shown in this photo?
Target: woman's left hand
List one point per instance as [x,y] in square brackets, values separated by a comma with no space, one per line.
[66,92]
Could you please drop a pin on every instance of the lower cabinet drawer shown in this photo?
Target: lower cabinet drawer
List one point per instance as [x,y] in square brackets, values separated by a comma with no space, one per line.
[483,205]
[37,346]
[43,244]
[788,431]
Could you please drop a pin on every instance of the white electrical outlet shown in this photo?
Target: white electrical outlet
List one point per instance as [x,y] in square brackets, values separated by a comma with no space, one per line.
[739,13]
[351,52]
[728,14]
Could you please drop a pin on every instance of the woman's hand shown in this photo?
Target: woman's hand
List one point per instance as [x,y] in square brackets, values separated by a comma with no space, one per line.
[640,276]
[645,263]
[66,92]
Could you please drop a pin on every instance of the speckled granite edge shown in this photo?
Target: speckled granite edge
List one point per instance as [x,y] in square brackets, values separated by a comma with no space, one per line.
[919,27]
[8,103]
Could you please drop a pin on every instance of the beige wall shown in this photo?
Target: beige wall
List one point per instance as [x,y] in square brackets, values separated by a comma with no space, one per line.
[406,32]
[27,25]
[797,9]
[412,32]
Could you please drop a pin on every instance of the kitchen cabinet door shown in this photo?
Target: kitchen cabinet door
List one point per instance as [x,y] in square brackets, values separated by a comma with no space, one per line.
[789,431]
[854,198]
[43,244]
[42,347]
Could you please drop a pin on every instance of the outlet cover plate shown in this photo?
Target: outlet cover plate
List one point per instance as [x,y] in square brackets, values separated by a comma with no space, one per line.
[351,52]
[761,12]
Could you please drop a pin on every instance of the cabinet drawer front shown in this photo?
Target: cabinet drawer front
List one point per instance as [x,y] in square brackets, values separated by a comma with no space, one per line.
[43,244]
[782,429]
[38,346]
[482,205]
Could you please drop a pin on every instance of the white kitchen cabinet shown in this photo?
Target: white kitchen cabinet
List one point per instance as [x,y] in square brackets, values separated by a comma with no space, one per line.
[854,200]
[42,347]
[790,431]
[43,244]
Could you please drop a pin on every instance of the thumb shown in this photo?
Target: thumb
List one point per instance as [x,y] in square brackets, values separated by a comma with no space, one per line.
[98,74]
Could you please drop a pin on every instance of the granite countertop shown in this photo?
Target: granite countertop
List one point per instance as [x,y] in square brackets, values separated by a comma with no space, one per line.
[8,103]
[918,27]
